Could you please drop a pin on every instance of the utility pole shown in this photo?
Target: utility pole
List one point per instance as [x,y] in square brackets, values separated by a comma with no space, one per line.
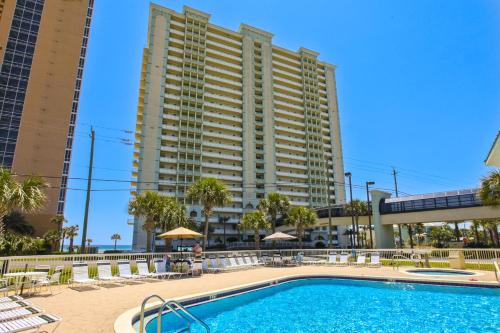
[89,187]
[394,173]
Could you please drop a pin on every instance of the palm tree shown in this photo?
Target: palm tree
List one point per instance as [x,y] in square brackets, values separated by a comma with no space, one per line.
[116,238]
[211,193]
[71,233]
[16,223]
[358,208]
[301,218]
[149,206]
[59,220]
[172,215]
[475,227]
[419,230]
[52,237]
[275,204]
[27,196]
[255,221]
[490,189]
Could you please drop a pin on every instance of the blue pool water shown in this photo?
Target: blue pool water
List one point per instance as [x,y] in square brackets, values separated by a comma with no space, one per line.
[335,305]
[440,272]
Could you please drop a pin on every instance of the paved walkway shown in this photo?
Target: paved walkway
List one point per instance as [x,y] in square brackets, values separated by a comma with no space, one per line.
[96,310]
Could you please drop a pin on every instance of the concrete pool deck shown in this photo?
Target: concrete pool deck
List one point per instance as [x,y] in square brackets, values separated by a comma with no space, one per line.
[95,310]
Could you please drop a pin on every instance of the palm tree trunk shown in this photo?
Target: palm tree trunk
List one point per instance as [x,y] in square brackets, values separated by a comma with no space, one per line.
[457,232]
[485,235]
[62,242]
[492,237]
[495,232]
[410,233]
[71,245]
[476,235]
[257,240]
[148,240]
[2,225]
[205,234]
[356,238]
[115,243]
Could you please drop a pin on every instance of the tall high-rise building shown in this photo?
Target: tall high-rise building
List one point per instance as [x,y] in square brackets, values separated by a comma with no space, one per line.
[233,106]
[42,53]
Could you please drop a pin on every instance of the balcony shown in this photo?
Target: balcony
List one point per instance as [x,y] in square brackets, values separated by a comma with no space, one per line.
[221,88]
[286,105]
[291,130]
[221,156]
[222,116]
[222,107]
[292,166]
[223,38]
[222,136]
[289,122]
[219,126]
[288,113]
[223,80]
[223,98]
[290,139]
[292,156]
[238,76]
[221,166]
[291,174]
[288,147]
[221,145]
[295,194]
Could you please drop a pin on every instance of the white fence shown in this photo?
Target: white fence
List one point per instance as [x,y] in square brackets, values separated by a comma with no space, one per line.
[481,259]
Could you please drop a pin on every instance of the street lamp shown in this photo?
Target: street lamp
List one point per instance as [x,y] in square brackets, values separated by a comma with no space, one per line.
[349,175]
[369,211]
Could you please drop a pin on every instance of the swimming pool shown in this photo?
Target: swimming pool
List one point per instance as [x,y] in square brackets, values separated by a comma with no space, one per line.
[342,305]
[439,272]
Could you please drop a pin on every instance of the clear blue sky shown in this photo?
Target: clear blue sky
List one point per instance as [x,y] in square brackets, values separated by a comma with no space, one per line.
[418,87]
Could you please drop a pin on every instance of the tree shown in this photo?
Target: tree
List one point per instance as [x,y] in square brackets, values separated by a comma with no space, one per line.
[255,221]
[475,227]
[419,231]
[148,205]
[71,233]
[211,193]
[59,221]
[301,218]
[116,238]
[490,227]
[441,235]
[490,189]
[15,244]
[16,223]
[356,208]
[27,196]
[52,237]
[172,215]
[275,204]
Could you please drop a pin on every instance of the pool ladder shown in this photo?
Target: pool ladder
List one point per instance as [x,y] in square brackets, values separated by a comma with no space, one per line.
[177,309]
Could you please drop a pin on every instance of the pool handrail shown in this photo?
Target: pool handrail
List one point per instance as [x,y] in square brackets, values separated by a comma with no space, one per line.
[181,312]
[143,305]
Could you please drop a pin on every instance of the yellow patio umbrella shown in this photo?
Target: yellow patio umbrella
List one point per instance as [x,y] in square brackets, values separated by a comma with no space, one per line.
[277,236]
[180,233]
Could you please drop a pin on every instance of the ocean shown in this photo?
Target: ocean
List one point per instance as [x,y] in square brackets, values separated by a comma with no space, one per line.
[103,248]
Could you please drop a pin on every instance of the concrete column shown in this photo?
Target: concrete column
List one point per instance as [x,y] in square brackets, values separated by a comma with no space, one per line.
[249,180]
[384,234]
[269,142]
[335,137]
[149,151]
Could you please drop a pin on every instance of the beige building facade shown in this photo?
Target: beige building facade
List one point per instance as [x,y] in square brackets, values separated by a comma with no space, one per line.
[43,45]
[233,106]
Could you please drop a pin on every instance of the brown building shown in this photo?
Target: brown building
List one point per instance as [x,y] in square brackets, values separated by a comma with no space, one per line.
[42,53]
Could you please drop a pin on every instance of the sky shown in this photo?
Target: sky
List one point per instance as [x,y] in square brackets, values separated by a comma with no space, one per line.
[418,87]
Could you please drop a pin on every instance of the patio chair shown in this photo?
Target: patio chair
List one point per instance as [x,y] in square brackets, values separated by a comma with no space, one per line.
[19,313]
[332,258]
[374,260]
[248,261]
[143,268]
[124,270]
[360,261]
[265,259]
[343,261]
[29,323]
[241,262]
[255,260]
[4,287]
[214,267]
[49,282]
[233,264]
[6,306]
[104,272]
[81,274]
[278,260]
[161,269]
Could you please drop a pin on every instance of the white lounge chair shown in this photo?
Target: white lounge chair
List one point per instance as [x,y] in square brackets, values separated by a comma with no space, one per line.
[104,272]
[332,258]
[50,281]
[19,313]
[81,274]
[233,264]
[360,261]
[241,262]
[161,269]
[278,260]
[214,266]
[12,298]
[14,305]
[343,261]
[248,261]
[124,270]
[255,260]
[143,269]
[29,323]
[374,260]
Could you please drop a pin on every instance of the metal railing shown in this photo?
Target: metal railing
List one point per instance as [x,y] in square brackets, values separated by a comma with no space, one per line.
[481,259]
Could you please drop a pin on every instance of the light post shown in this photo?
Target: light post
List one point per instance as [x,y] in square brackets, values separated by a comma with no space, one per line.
[368,204]
[349,175]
